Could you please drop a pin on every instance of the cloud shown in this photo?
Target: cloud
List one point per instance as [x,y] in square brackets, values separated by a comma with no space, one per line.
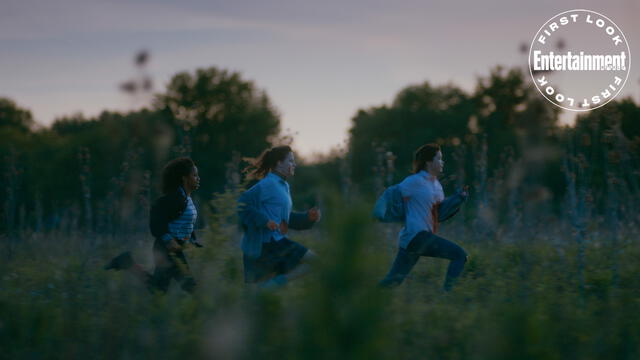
[32,19]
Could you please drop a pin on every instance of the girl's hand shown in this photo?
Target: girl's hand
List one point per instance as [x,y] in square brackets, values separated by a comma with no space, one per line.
[284,228]
[272,225]
[173,246]
[314,214]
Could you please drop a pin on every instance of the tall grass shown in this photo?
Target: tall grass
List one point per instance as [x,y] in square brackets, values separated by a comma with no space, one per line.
[515,300]
[536,286]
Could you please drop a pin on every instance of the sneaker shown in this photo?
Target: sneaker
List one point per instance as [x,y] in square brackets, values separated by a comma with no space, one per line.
[123,261]
[274,283]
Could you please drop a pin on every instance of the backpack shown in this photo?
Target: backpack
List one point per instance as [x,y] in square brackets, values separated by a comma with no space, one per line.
[390,206]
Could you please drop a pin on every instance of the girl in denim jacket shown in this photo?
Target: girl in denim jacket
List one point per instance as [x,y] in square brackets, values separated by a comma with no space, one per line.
[270,258]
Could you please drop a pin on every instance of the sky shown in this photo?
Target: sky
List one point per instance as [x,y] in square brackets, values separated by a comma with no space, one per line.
[319,61]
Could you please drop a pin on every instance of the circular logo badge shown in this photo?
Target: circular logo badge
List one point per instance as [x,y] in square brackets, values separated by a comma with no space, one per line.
[579,60]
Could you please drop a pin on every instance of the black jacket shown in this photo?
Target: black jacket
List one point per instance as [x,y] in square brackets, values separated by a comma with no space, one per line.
[166,209]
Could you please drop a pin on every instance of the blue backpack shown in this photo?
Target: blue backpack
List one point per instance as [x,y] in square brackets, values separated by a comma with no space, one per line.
[390,207]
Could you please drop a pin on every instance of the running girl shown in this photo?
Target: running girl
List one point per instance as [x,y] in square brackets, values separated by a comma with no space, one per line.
[172,221]
[422,194]
[270,258]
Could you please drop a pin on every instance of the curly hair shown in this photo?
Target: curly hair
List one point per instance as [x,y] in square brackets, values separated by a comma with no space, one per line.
[173,173]
[424,154]
[267,161]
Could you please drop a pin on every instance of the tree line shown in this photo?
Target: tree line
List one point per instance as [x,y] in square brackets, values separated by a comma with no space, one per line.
[502,138]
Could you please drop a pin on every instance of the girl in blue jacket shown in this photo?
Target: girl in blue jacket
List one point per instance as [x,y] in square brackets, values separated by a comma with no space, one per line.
[270,258]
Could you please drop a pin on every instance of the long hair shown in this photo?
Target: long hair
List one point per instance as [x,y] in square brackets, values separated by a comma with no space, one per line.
[267,161]
[424,154]
[173,172]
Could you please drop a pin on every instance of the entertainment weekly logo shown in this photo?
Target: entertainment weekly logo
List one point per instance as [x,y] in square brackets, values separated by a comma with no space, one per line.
[579,60]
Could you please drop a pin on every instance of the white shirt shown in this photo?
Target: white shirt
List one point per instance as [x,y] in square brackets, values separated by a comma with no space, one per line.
[421,192]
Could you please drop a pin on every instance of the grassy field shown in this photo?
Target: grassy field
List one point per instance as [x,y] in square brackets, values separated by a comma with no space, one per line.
[539,294]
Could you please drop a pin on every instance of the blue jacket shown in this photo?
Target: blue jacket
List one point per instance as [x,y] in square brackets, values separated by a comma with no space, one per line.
[390,206]
[254,222]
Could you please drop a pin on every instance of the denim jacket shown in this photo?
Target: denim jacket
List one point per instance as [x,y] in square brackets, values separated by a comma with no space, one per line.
[254,222]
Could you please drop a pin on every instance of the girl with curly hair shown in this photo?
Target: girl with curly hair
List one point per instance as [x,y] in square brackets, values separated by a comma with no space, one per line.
[172,221]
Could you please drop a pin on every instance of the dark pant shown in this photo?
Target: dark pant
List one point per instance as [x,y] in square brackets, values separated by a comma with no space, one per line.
[426,244]
[169,265]
[276,258]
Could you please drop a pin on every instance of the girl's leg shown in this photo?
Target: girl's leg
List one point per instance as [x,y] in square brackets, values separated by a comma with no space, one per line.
[303,267]
[182,271]
[429,244]
[125,261]
[402,265]
[293,262]
[170,265]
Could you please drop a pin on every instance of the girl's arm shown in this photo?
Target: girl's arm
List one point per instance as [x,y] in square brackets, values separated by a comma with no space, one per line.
[451,205]
[300,220]
[248,208]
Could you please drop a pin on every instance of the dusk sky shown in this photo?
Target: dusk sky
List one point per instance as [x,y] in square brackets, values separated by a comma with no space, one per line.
[319,61]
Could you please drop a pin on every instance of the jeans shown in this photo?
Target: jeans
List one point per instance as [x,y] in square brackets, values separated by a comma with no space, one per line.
[426,244]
